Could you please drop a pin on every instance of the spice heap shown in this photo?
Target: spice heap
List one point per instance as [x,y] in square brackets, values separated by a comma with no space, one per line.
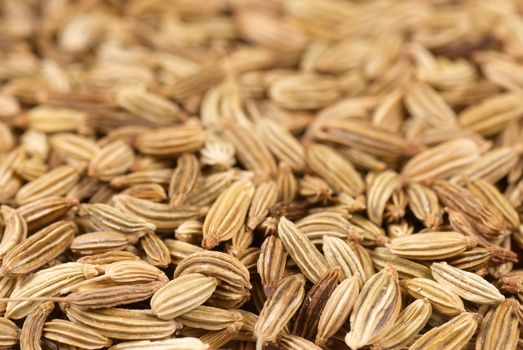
[261,174]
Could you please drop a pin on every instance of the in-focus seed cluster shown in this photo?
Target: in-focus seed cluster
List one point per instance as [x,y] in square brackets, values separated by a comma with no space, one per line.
[261,174]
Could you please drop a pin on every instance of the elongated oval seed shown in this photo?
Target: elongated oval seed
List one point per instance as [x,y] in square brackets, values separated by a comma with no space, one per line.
[227,214]
[33,326]
[379,192]
[183,343]
[431,245]
[124,324]
[98,242]
[226,268]
[48,283]
[9,333]
[339,253]
[57,182]
[442,161]
[500,327]
[265,196]
[182,294]
[334,169]
[70,333]
[278,309]
[310,261]
[15,229]
[466,284]
[376,310]
[161,215]
[442,300]
[112,160]
[171,141]
[338,308]
[210,318]
[271,264]
[424,204]
[454,334]
[410,321]
[45,211]
[184,179]
[406,268]
[38,249]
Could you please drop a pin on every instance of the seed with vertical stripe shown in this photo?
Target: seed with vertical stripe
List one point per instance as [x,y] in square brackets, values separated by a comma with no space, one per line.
[67,332]
[376,310]
[184,179]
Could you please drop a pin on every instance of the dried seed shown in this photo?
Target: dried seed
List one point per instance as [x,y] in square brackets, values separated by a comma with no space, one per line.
[424,204]
[33,326]
[184,179]
[171,141]
[376,310]
[67,332]
[271,264]
[265,196]
[182,294]
[339,253]
[312,264]
[431,245]
[278,309]
[98,242]
[184,343]
[452,335]
[500,328]
[467,285]
[9,334]
[112,160]
[38,249]
[442,300]
[227,214]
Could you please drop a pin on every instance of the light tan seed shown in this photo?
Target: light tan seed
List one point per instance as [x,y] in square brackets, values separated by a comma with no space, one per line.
[107,218]
[271,264]
[431,245]
[423,202]
[33,326]
[74,146]
[492,114]
[466,284]
[9,334]
[182,294]
[406,268]
[315,189]
[339,253]
[337,308]
[134,271]
[379,192]
[250,150]
[500,328]
[223,267]
[124,324]
[112,160]
[104,259]
[490,194]
[492,166]
[184,179]
[334,169]
[38,249]
[293,342]
[45,211]
[48,283]
[151,191]
[57,182]
[278,309]
[211,187]
[286,183]
[149,106]
[227,215]
[157,176]
[423,102]
[98,242]
[410,321]
[67,332]
[281,143]
[454,334]
[310,261]
[15,229]
[265,196]
[442,300]
[183,343]
[161,215]
[442,161]
[179,250]
[110,295]
[171,141]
